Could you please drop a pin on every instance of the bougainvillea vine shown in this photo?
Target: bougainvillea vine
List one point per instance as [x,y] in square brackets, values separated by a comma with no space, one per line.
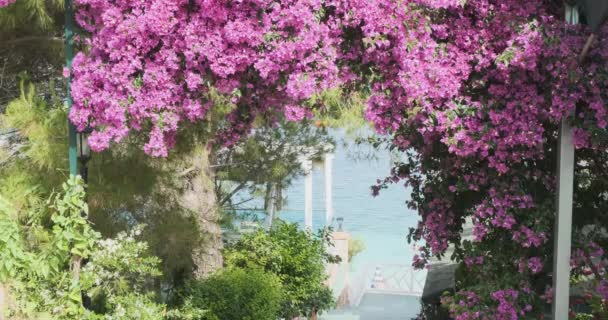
[471,92]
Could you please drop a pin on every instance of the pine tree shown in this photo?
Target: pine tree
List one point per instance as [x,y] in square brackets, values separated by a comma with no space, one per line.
[28,18]
[30,42]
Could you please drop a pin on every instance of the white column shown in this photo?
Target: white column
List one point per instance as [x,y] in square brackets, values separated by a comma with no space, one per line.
[271,207]
[563,219]
[307,167]
[329,205]
[563,222]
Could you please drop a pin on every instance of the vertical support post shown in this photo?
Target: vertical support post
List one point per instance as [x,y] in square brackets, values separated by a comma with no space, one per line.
[69,55]
[271,206]
[307,166]
[563,222]
[563,218]
[76,262]
[329,209]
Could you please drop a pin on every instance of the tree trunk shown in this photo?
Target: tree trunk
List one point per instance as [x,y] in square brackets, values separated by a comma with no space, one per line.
[75,266]
[198,197]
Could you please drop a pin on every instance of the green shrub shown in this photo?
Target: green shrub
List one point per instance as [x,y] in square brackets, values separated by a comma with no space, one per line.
[237,294]
[187,311]
[297,257]
[132,306]
[355,246]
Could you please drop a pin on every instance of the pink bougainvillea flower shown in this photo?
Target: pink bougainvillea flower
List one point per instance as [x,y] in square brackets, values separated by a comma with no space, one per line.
[6,3]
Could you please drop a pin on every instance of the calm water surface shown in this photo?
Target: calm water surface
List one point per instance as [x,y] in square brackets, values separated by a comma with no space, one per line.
[381,222]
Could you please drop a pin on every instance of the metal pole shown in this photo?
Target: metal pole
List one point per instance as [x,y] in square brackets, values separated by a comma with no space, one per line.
[69,55]
[563,219]
[329,209]
[307,166]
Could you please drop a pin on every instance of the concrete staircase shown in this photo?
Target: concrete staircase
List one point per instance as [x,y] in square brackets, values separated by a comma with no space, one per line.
[378,307]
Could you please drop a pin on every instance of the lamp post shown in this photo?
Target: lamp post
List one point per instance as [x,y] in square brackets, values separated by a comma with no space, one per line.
[340,221]
[84,152]
[69,55]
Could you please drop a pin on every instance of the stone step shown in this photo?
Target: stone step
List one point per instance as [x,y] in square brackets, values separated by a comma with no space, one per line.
[339,316]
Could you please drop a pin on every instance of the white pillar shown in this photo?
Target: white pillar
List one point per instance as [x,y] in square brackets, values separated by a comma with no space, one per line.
[307,167]
[563,219]
[329,205]
[563,222]
[271,207]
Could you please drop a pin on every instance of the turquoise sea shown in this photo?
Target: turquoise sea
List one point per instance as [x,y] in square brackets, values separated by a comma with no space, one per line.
[382,222]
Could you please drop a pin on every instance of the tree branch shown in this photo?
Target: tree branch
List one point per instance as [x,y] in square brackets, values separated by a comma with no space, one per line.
[237,204]
[229,196]
[219,165]
[186,172]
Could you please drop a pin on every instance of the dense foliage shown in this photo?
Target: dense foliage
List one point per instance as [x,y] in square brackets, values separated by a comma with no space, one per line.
[36,162]
[355,246]
[30,17]
[30,43]
[470,91]
[123,188]
[37,265]
[296,257]
[239,294]
[472,94]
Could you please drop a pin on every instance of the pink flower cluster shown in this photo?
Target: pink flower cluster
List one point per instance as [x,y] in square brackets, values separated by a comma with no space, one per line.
[507,308]
[152,65]
[535,265]
[507,305]
[295,113]
[592,262]
[6,3]
[602,289]
[496,211]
